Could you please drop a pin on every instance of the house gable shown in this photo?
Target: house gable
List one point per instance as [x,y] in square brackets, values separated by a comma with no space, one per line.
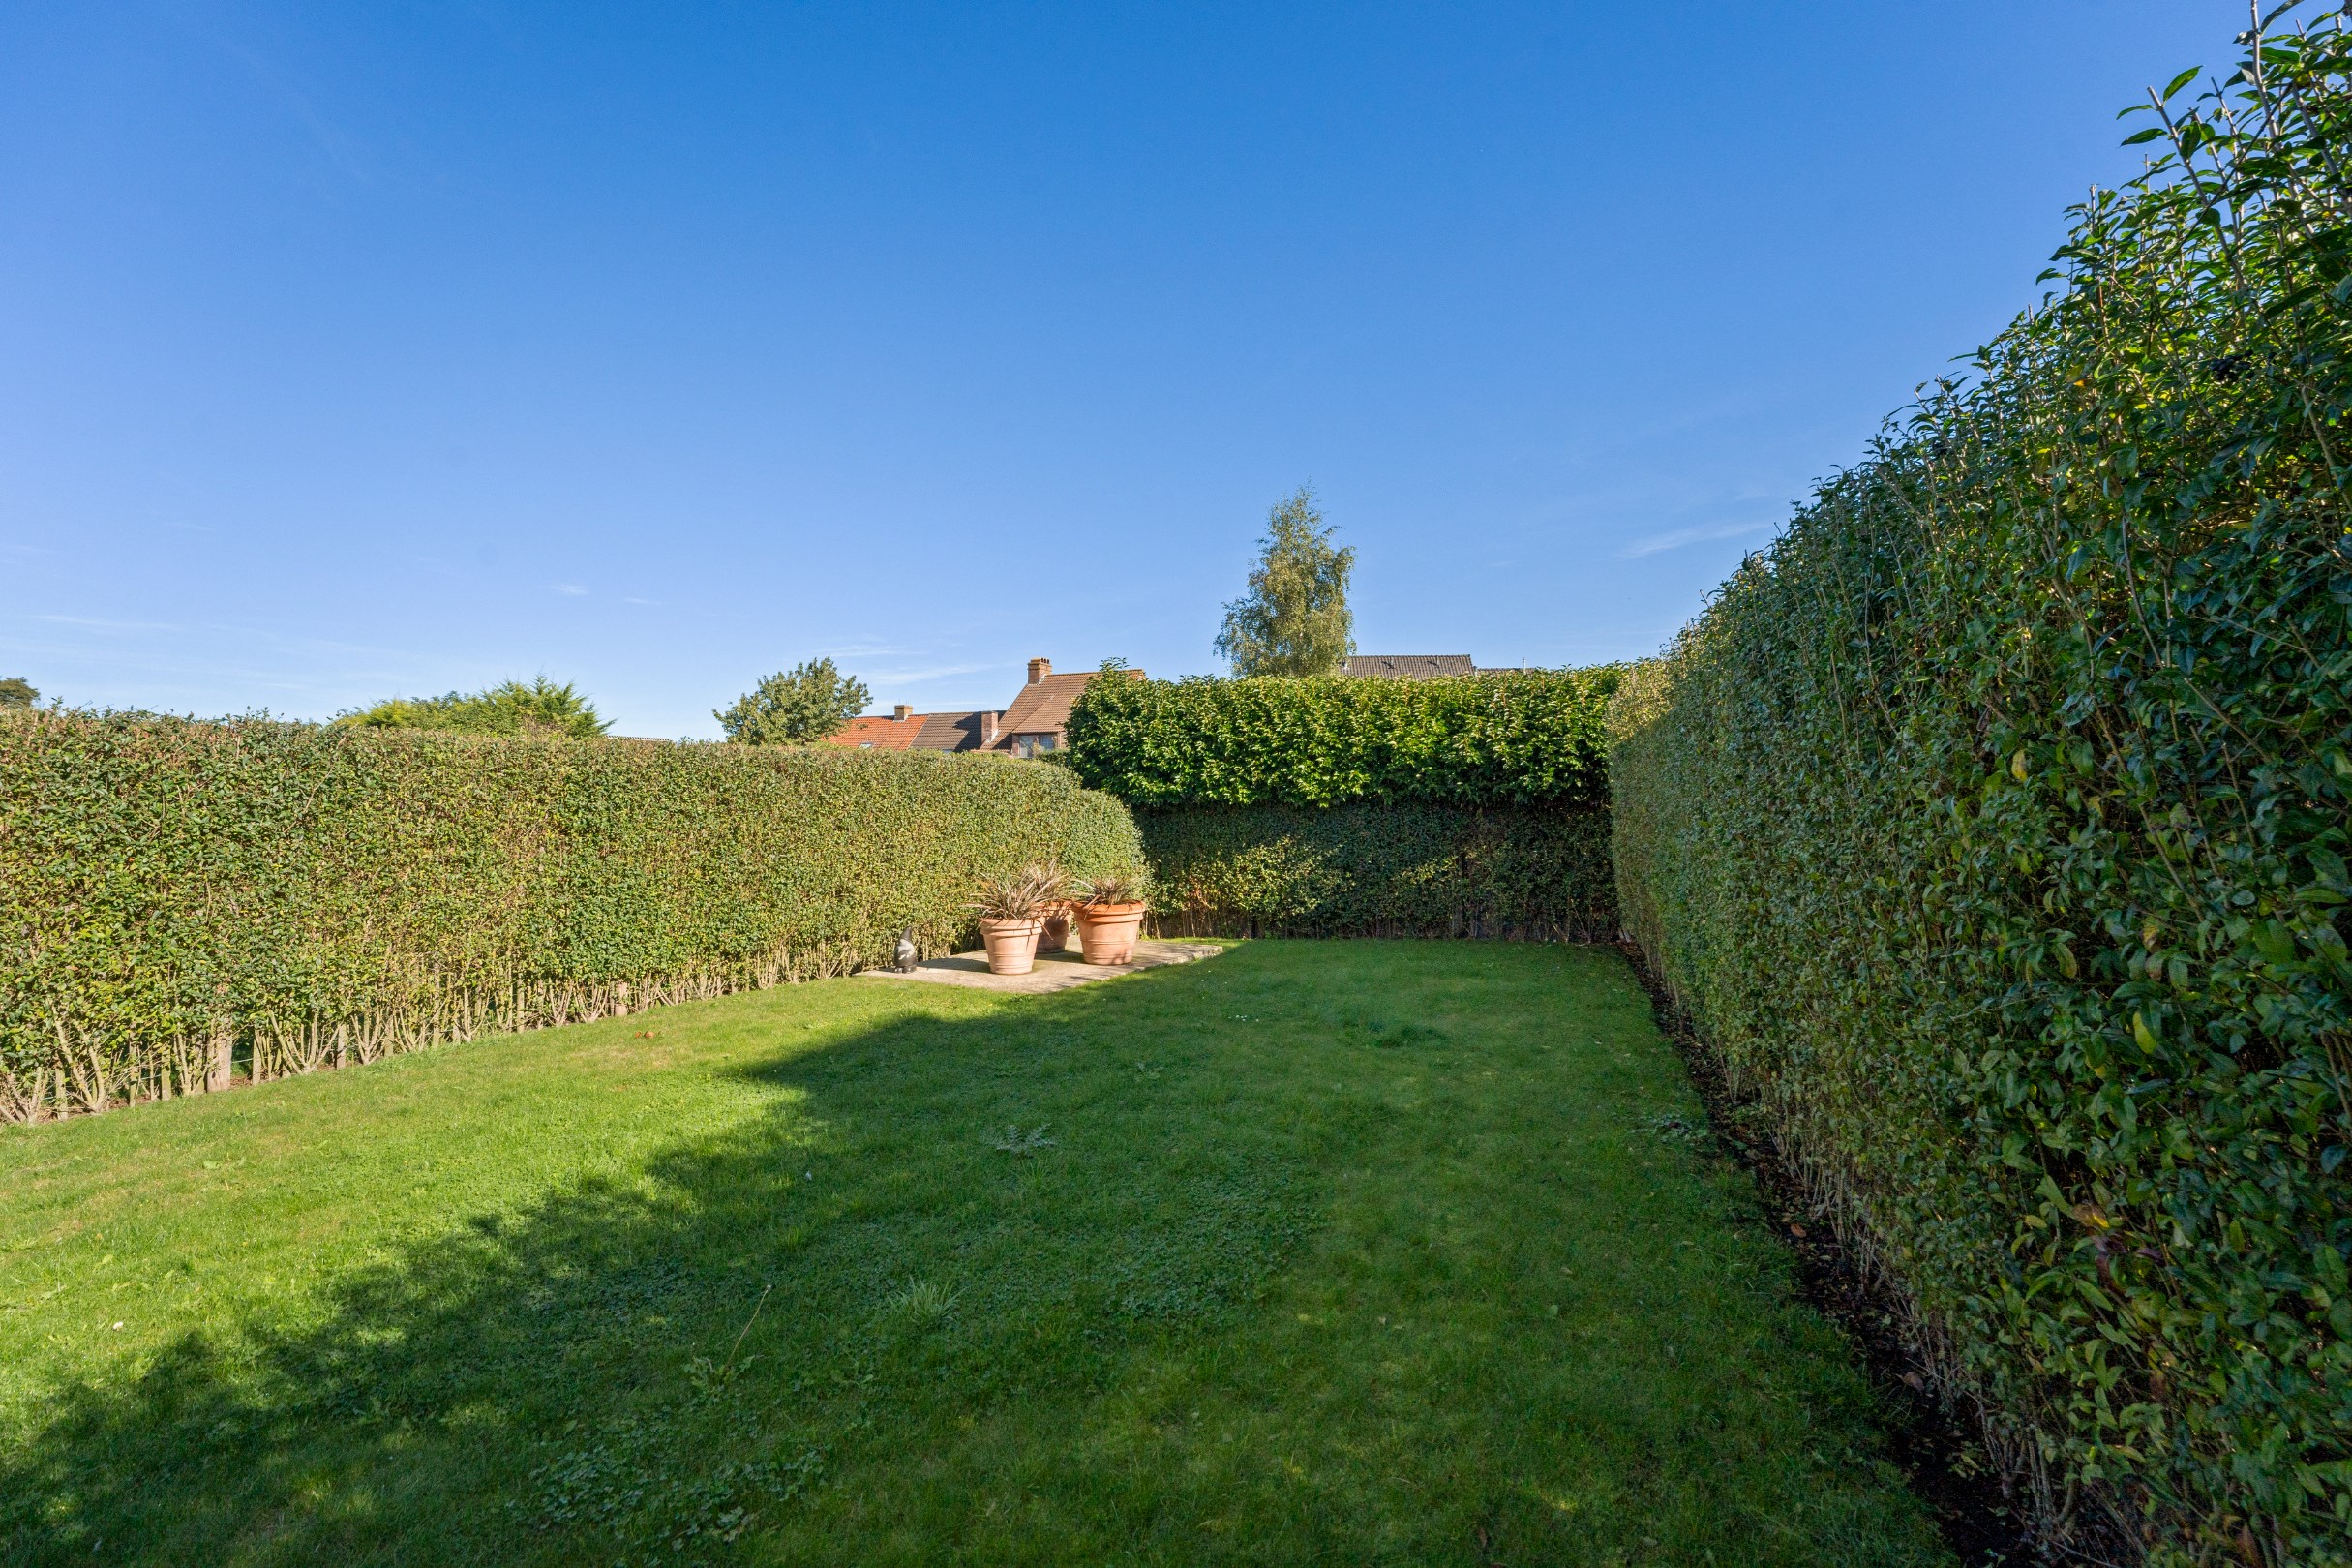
[1036,721]
[1037,718]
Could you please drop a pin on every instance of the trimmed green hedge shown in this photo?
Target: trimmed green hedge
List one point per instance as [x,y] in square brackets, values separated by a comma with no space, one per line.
[173,894]
[1534,874]
[1993,826]
[1520,738]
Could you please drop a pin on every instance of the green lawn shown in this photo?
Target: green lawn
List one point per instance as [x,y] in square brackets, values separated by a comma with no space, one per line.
[1343,1252]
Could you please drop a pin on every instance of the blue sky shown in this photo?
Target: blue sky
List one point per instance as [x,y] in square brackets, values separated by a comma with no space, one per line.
[348,351]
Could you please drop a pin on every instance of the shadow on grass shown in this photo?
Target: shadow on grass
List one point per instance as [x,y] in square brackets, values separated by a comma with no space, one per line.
[645,1366]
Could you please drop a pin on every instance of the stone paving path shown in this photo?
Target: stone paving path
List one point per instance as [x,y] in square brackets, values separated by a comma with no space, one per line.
[1054,971]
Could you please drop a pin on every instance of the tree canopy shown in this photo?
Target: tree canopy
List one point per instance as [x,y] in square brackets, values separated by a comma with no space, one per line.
[540,706]
[17,692]
[807,703]
[1294,620]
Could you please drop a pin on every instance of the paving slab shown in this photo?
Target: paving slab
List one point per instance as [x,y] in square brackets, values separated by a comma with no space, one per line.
[1054,971]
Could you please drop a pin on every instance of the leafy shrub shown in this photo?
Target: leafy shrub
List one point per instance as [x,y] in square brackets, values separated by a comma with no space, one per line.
[540,706]
[1993,826]
[171,892]
[1382,870]
[1506,739]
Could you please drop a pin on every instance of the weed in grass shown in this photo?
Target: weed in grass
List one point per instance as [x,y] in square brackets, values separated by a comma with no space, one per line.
[922,1302]
[708,1378]
[1675,1127]
[1021,1145]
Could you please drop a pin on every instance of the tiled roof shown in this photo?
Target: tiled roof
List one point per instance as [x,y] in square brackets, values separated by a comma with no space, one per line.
[879,731]
[917,732]
[1043,706]
[951,732]
[1408,666]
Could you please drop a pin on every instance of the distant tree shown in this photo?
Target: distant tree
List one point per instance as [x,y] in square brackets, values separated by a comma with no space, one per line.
[807,703]
[399,713]
[1294,620]
[540,706]
[17,692]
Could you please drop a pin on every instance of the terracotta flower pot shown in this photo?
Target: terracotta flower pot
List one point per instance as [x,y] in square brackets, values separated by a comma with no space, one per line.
[1012,945]
[1106,932]
[1056,934]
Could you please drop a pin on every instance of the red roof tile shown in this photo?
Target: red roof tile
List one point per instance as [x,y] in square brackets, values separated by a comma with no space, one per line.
[879,731]
[917,732]
[1039,708]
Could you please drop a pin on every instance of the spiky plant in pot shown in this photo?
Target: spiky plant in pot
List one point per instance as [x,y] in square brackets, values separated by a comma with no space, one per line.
[1012,911]
[1110,916]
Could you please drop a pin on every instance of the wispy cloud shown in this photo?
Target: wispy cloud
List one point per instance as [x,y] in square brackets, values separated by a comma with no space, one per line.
[871,650]
[338,149]
[910,678]
[1697,533]
[569,589]
[88,624]
[631,599]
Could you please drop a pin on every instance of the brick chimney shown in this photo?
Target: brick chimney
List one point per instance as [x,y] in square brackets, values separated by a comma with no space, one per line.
[1038,670]
[987,729]
[903,712]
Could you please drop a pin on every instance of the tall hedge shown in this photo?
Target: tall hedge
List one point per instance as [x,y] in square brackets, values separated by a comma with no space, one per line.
[1470,806]
[175,894]
[1516,739]
[1533,873]
[1993,825]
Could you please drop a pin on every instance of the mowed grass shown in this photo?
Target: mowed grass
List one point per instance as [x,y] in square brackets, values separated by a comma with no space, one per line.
[1347,1252]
